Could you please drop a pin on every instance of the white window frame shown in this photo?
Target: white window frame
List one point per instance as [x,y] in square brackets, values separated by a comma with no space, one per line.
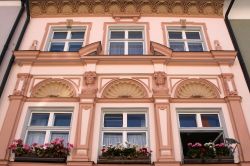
[126,40]
[124,129]
[49,129]
[199,122]
[67,40]
[200,128]
[184,39]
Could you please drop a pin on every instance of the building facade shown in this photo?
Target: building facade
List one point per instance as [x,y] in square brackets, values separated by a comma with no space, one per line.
[159,74]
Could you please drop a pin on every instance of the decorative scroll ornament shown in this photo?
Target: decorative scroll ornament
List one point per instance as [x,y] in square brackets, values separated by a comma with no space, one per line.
[44,8]
[53,88]
[196,88]
[124,88]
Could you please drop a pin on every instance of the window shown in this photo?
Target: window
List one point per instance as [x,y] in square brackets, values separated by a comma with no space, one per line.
[121,127]
[46,126]
[199,127]
[188,39]
[61,39]
[126,42]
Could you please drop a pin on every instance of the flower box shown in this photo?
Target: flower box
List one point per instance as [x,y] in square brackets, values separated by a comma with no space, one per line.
[53,152]
[39,159]
[219,160]
[123,160]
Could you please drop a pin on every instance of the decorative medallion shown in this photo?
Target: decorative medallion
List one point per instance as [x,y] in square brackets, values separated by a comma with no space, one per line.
[53,88]
[196,88]
[124,88]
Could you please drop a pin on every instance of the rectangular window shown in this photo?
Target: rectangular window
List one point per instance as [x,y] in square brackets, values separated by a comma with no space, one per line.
[199,127]
[121,127]
[126,42]
[62,39]
[188,39]
[46,126]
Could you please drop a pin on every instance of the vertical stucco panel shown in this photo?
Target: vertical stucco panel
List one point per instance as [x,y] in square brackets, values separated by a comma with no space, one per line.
[9,88]
[241,87]
[215,26]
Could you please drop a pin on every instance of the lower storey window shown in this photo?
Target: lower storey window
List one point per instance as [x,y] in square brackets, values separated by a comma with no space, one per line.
[46,126]
[124,127]
[199,128]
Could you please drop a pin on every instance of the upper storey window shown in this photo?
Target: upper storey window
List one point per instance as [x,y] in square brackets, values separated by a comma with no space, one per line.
[186,39]
[66,39]
[126,42]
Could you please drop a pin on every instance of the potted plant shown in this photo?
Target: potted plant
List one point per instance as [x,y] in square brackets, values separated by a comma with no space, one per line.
[119,154]
[54,151]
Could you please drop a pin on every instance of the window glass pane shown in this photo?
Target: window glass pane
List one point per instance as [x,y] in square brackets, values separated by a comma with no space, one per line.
[62,119]
[56,47]
[116,48]
[62,135]
[136,120]
[77,35]
[75,46]
[60,35]
[137,138]
[112,138]
[117,35]
[210,120]
[39,119]
[113,120]
[135,48]
[193,35]
[35,137]
[195,46]
[175,35]
[177,46]
[187,120]
[135,34]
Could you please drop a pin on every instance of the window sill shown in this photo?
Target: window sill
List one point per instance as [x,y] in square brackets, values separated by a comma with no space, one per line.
[39,159]
[219,160]
[121,160]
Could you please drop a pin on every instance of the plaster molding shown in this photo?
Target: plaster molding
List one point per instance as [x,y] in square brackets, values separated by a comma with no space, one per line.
[196,88]
[53,88]
[160,87]
[89,85]
[124,88]
[198,8]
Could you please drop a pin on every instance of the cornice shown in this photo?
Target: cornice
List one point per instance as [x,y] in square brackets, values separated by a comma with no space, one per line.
[91,54]
[62,8]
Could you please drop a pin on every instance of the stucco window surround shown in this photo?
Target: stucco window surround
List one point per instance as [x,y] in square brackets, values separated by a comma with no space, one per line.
[198,113]
[121,125]
[127,29]
[66,34]
[189,35]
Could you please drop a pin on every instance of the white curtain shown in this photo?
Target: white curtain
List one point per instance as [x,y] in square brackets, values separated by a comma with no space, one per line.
[137,138]
[112,138]
[135,48]
[63,136]
[35,137]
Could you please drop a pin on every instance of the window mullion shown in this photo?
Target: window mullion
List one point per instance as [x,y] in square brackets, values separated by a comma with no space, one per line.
[198,118]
